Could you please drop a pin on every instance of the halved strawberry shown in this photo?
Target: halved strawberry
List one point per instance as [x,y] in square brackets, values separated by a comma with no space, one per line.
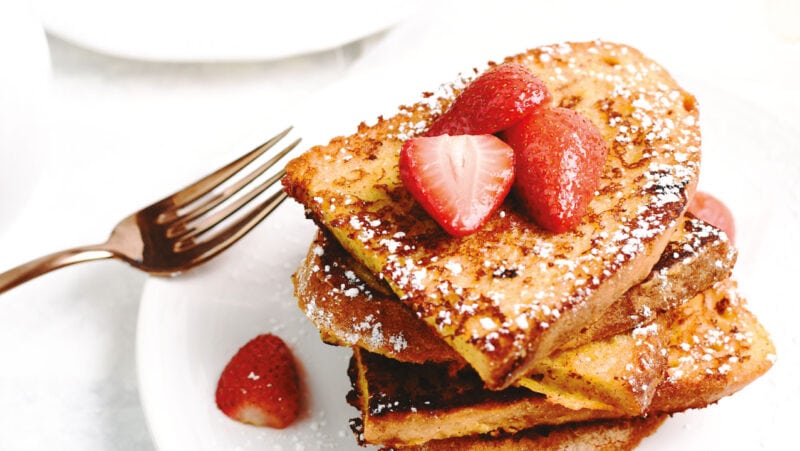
[459,180]
[560,157]
[495,100]
[259,385]
[713,211]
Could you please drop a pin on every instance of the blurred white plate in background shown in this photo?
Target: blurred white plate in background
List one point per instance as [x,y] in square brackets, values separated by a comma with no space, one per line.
[24,97]
[216,30]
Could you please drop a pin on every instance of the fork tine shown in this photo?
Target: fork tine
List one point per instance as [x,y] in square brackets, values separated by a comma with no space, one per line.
[186,234]
[203,186]
[204,250]
[179,222]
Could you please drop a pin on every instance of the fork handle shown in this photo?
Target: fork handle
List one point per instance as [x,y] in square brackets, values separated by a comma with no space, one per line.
[42,265]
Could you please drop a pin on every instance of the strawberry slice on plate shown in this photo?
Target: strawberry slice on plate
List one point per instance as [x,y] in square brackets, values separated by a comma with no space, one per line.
[459,180]
[560,157]
[495,100]
[259,385]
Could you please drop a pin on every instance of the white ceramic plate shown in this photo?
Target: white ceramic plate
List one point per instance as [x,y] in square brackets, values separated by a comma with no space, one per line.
[216,30]
[190,326]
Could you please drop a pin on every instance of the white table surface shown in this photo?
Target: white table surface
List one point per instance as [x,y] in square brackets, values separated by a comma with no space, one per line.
[126,132]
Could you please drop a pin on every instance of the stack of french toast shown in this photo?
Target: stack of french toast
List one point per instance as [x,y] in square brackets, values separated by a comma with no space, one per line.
[516,337]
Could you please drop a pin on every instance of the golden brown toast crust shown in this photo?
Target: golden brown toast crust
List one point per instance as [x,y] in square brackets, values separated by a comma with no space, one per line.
[350,311]
[408,404]
[715,348]
[608,435]
[621,372]
[510,294]
[697,256]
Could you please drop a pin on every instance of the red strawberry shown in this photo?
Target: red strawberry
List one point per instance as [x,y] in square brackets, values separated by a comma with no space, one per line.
[260,385]
[560,157]
[495,100]
[713,211]
[459,180]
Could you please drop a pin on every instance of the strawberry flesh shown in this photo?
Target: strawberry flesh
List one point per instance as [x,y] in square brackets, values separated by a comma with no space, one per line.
[459,180]
[495,100]
[560,157]
[259,385]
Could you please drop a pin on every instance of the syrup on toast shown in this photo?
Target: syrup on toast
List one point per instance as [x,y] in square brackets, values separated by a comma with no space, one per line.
[713,344]
[511,294]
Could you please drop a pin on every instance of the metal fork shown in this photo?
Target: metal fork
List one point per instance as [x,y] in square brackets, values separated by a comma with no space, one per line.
[182,230]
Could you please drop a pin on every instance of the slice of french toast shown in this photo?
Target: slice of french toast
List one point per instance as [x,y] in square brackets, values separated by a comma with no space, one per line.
[714,347]
[620,373]
[604,435]
[348,311]
[511,294]
[697,256]
[350,307]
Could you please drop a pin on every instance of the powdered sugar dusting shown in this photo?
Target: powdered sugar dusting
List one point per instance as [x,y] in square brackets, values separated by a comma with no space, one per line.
[717,338]
[520,278]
